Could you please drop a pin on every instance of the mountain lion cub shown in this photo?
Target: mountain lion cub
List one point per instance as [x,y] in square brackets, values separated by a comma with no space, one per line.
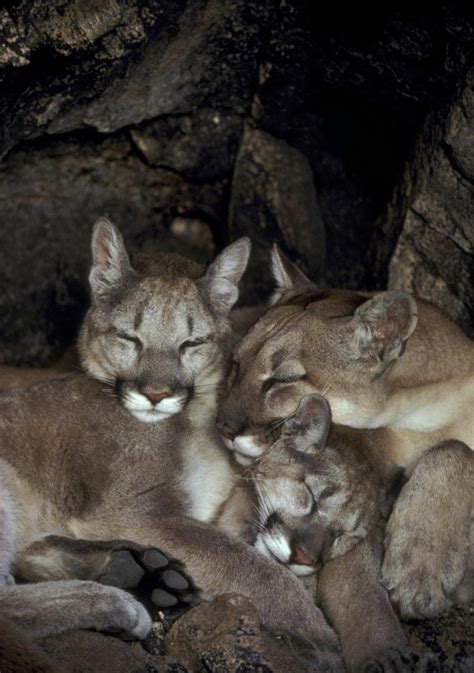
[132,453]
[323,501]
[401,372]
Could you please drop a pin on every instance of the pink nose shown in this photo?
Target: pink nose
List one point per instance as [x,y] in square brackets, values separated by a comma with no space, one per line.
[301,558]
[153,396]
[227,431]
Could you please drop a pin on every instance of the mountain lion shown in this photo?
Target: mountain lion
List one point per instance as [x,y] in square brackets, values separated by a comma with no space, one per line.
[400,371]
[132,453]
[323,501]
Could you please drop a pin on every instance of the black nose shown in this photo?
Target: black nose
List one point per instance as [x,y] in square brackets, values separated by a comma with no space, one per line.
[155,396]
[227,431]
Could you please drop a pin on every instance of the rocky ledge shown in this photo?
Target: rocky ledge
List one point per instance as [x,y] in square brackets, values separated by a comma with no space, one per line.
[225,636]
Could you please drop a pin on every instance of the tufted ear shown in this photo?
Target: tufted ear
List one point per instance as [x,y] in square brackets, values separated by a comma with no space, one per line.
[110,262]
[312,421]
[383,324]
[286,275]
[222,278]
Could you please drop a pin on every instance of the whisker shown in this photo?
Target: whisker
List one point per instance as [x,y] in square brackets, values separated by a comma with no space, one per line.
[265,501]
[110,391]
[260,527]
[325,389]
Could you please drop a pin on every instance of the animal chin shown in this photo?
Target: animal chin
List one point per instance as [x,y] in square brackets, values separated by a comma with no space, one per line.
[243,460]
[302,570]
[240,457]
[301,564]
[247,446]
[150,415]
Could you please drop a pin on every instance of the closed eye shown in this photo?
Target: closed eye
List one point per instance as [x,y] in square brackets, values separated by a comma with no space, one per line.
[129,337]
[192,343]
[314,504]
[275,380]
[232,375]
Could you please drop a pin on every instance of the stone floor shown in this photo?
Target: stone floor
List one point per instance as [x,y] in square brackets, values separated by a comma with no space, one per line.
[225,637]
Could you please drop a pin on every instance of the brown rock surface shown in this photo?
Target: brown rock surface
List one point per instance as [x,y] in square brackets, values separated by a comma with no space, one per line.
[450,638]
[137,110]
[433,210]
[274,199]
[225,636]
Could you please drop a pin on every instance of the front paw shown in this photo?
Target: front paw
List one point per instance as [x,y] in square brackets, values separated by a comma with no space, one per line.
[421,576]
[424,562]
[400,660]
[128,616]
[6,580]
[151,573]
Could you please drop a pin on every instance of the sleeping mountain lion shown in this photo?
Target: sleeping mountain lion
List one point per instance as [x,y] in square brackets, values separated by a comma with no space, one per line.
[131,452]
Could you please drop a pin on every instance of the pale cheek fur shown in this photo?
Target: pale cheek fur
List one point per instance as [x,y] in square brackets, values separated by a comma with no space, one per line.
[273,546]
[146,412]
[248,446]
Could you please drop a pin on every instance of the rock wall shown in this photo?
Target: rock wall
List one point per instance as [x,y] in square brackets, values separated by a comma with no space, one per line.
[192,122]
[433,210]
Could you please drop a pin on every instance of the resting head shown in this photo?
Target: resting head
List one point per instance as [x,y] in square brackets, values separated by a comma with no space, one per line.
[158,333]
[316,499]
[339,343]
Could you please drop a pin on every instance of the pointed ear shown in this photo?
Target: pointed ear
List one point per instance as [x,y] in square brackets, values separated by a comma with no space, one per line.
[223,276]
[286,275]
[313,421]
[383,324]
[110,262]
[341,545]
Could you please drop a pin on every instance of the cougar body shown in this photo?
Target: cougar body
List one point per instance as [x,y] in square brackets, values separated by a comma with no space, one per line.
[131,452]
[395,370]
[323,501]
[385,361]
[48,608]
[19,377]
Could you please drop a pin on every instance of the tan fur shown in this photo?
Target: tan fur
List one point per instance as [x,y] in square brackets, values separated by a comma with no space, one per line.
[423,397]
[48,608]
[323,500]
[394,368]
[18,654]
[429,560]
[18,377]
[93,459]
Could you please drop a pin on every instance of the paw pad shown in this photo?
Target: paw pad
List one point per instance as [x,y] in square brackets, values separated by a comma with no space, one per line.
[150,574]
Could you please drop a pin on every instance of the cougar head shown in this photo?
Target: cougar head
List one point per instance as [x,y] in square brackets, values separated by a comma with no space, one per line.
[158,337]
[307,511]
[339,343]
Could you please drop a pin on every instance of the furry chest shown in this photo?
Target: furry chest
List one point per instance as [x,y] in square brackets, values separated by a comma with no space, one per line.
[208,477]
